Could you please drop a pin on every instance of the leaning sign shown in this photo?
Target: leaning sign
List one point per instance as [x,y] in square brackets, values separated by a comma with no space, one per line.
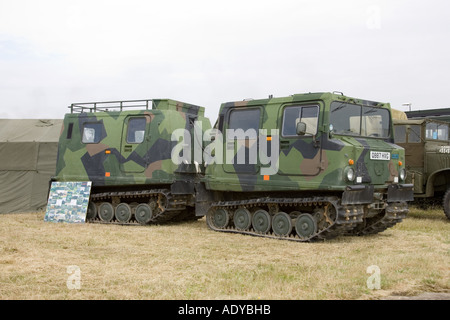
[68,202]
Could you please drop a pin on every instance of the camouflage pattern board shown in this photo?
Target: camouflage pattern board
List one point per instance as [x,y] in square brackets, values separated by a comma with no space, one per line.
[328,166]
[124,148]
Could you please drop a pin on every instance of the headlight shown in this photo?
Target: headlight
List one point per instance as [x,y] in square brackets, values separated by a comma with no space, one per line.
[402,174]
[350,174]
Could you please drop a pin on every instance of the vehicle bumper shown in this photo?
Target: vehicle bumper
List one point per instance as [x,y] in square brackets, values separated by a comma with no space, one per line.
[364,194]
[357,194]
[400,192]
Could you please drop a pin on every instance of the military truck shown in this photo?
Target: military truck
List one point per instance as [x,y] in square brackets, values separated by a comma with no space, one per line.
[305,167]
[427,156]
[124,148]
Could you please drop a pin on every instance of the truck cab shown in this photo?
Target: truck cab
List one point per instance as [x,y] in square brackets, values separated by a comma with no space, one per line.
[427,153]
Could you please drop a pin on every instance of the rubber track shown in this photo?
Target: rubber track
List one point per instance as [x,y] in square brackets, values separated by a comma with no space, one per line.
[175,205]
[347,217]
[394,214]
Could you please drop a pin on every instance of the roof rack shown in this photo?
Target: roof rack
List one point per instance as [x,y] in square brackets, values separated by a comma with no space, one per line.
[110,106]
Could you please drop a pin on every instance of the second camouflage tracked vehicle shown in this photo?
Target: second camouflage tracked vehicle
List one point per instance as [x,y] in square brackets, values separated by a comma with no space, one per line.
[305,167]
[124,148]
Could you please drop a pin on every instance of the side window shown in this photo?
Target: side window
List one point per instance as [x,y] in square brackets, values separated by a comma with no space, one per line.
[295,114]
[436,131]
[92,132]
[69,131]
[136,130]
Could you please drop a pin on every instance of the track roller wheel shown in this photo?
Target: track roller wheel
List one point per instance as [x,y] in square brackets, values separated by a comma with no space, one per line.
[123,212]
[91,213]
[261,221]
[242,219]
[220,218]
[305,226]
[282,224]
[106,212]
[143,213]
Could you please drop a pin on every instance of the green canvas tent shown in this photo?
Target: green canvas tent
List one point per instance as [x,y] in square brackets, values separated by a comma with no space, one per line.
[28,150]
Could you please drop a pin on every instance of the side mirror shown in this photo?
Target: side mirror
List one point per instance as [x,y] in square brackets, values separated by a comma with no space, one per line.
[331,132]
[301,128]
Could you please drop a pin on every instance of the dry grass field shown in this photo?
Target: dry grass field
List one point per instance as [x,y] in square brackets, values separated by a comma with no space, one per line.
[189,261]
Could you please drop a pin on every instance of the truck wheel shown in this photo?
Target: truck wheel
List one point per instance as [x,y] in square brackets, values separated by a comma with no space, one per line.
[446,203]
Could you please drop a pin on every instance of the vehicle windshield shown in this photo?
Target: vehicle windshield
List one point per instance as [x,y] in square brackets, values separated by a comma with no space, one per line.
[356,120]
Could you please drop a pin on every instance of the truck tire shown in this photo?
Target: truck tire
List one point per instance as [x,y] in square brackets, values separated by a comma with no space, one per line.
[446,203]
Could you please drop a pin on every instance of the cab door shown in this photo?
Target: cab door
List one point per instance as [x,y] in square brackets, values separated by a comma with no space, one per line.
[300,151]
[241,141]
[135,142]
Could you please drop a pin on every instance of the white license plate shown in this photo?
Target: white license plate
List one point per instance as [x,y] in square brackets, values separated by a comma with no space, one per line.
[378,155]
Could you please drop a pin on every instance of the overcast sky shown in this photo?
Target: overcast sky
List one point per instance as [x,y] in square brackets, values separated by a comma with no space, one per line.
[56,52]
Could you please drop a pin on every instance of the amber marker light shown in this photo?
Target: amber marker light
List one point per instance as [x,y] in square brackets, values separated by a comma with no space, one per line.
[400,163]
[351,162]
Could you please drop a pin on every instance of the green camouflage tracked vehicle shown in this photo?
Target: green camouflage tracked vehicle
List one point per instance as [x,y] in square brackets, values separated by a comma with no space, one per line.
[124,148]
[304,167]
